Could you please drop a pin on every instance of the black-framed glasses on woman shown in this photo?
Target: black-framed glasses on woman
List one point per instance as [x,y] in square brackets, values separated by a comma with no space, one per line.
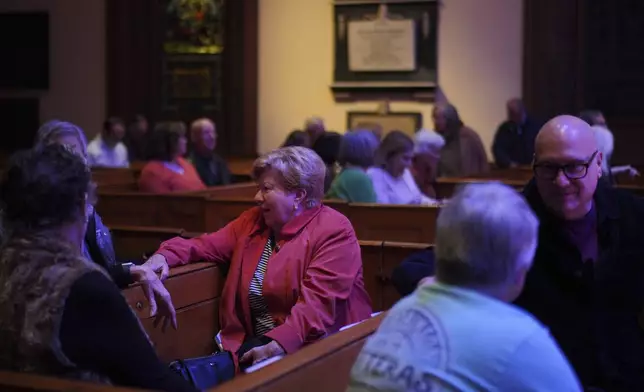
[572,171]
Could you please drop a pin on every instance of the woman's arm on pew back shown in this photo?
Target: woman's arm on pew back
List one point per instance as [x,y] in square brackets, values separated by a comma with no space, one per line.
[215,247]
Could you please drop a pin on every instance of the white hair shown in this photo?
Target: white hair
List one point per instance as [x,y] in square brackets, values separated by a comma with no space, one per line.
[605,144]
[484,236]
[427,140]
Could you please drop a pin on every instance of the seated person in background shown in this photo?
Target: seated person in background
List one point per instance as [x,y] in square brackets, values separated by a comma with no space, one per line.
[373,127]
[357,151]
[459,333]
[327,146]
[463,154]
[605,144]
[59,314]
[295,268]
[392,179]
[212,169]
[107,148]
[167,170]
[135,138]
[97,245]
[315,127]
[297,138]
[427,152]
[514,139]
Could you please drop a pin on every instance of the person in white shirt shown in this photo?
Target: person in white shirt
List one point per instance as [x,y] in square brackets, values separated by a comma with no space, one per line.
[107,148]
[459,333]
[392,179]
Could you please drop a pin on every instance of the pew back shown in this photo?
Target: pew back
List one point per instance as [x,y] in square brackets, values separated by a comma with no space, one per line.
[195,291]
[26,382]
[324,366]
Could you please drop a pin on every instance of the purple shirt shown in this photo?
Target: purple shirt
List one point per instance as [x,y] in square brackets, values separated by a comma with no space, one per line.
[582,233]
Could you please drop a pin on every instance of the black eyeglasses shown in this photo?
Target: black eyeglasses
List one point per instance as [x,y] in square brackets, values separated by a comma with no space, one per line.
[572,171]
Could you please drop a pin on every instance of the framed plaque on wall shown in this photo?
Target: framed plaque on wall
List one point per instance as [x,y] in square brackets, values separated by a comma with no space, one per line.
[385,49]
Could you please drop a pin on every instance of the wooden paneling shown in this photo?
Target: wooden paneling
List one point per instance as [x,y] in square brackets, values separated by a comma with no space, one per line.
[551,56]
[614,80]
[587,54]
[133,56]
[134,63]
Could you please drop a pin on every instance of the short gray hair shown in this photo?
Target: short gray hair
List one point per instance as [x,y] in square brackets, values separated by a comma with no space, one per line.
[426,140]
[484,236]
[52,130]
[358,148]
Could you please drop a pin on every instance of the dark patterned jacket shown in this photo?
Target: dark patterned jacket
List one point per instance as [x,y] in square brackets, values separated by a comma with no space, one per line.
[100,249]
[36,276]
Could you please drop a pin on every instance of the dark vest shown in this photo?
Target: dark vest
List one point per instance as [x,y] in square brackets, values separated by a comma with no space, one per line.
[36,276]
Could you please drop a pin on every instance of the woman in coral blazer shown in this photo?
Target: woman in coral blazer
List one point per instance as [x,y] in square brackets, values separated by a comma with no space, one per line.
[167,171]
[295,265]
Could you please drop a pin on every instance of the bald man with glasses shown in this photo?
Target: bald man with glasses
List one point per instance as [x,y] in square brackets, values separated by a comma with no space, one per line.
[587,280]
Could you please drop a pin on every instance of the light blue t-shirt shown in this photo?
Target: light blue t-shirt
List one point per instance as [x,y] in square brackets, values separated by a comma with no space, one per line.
[445,338]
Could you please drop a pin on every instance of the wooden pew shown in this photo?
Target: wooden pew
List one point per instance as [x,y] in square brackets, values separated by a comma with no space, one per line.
[393,253]
[381,222]
[373,222]
[445,187]
[195,290]
[27,382]
[244,190]
[131,242]
[186,210]
[107,176]
[321,367]
[141,209]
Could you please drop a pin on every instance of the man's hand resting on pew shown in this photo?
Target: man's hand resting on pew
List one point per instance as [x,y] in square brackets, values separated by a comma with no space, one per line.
[157,295]
[262,353]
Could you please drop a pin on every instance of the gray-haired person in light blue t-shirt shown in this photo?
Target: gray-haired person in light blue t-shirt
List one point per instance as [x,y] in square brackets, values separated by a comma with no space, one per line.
[459,333]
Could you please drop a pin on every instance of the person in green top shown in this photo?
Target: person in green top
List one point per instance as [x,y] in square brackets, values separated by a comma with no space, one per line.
[356,155]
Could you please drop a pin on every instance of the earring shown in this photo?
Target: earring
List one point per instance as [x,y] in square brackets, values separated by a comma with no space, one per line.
[295,207]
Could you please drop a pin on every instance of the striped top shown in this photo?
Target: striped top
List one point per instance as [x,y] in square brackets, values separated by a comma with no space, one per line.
[262,319]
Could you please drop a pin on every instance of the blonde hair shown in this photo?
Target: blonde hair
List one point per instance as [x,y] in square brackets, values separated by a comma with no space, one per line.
[299,168]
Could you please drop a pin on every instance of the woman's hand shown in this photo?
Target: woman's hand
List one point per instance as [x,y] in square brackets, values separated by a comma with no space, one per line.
[262,353]
[155,290]
[159,265]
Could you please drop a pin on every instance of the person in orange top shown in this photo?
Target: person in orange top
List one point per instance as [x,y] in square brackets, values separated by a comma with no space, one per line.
[295,265]
[167,171]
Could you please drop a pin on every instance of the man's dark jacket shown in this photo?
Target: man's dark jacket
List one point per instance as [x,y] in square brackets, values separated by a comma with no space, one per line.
[593,310]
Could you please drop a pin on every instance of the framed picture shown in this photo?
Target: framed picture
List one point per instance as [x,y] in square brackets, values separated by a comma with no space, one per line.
[408,122]
[385,48]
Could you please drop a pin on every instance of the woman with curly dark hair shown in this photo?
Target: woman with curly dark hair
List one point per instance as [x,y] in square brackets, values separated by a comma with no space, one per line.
[60,314]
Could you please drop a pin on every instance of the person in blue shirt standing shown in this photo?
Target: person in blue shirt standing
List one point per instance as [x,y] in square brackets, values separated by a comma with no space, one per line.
[459,332]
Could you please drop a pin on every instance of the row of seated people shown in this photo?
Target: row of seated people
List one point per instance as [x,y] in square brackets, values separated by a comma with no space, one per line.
[171,167]
[296,276]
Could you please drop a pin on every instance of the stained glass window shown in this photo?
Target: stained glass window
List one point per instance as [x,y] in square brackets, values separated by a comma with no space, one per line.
[194,27]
